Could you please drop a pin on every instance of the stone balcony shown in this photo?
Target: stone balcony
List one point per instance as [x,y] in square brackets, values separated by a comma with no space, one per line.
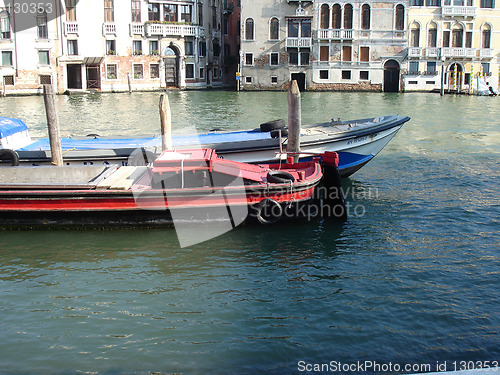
[335,34]
[108,29]
[298,42]
[456,52]
[459,11]
[136,29]
[155,29]
[70,28]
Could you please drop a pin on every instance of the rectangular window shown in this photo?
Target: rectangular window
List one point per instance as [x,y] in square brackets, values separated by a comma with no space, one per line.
[364,75]
[413,68]
[486,68]
[43,57]
[189,71]
[432,40]
[226,26]
[446,38]
[488,4]
[8,80]
[248,58]
[248,79]
[274,59]
[304,58]
[364,54]
[41,22]
[109,11]
[138,71]
[346,53]
[6,58]
[486,39]
[293,29]
[111,71]
[170,13]
[417,3]
[154,50]
[274,80]
[457,38]
[468,39]
[71,10]
[433,3]
[154,71]
[202,73]
[431,67]
[189,48]
[323,74]
[153,12]
[216,48]
[137,47]
[136,11]
[324,53]
[186,13]
[110,47]
[45,79]
[73,47]
[4,25]
[293,56]
[346,74]
[202,48]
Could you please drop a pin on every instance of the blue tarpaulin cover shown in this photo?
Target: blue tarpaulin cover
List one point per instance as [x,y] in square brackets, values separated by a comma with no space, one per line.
[9,126]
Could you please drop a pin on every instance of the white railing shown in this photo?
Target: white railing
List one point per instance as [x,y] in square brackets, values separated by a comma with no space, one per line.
[486,53]
[415,52]
[174,30]
[70,28]
[459,11]
[108,28]
[298,42]
[458,52]
[334,33]
[136,29]
[432,52]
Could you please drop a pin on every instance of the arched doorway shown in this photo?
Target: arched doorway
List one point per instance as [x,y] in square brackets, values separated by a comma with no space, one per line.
[391,76]
[455,77]
[171,61]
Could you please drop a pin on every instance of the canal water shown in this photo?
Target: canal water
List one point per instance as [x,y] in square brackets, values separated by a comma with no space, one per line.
[409,283]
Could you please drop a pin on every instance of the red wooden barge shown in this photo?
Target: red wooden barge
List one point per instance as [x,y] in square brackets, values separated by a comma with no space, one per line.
[183,185]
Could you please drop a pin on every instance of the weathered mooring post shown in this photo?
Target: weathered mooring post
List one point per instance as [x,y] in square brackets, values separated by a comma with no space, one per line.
[53,124]
[129,83]
[166,123]
[294,120]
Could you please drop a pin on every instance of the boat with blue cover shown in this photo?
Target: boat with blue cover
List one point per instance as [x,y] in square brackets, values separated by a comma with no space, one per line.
[356,142]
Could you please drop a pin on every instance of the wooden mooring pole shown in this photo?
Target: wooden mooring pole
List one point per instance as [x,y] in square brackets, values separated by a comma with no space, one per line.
[129,83]
[166,123]
[53,125]
[294,120]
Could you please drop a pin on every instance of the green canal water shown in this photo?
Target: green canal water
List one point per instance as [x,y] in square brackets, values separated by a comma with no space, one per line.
[411,279]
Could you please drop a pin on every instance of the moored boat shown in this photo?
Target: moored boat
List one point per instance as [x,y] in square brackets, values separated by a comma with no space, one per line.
[180,186]
[356,142]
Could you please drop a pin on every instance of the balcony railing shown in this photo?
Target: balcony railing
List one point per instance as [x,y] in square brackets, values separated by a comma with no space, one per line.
[70,28]
[485,53]
[465,53]
[432,52]
[174,30]
[298,42]
[459,11]
[108,28]
[136,29]
[334,34]
[415,52]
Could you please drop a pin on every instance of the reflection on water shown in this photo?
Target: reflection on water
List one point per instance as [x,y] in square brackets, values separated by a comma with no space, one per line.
[413,279]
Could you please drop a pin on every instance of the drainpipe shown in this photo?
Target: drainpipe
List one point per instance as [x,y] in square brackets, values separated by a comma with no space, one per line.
[15,34]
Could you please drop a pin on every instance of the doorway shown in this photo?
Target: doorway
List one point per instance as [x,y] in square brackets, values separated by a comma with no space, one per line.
[74,76]
[455,73]
[301,80]
[93,77]
[391,76]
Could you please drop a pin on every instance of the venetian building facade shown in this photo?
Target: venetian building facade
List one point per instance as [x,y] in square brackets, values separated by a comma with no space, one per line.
[450,43]
[106,46]
[324,45]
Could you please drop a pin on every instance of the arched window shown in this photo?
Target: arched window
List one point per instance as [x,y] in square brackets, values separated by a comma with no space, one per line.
[324,17]
[249,25]
[432,35]
[4,25]
[400,17]
[365,17]
[41,24]
[336,17]
[486,37]
[415,35]
[348,17]
[457,36]
[274,29]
